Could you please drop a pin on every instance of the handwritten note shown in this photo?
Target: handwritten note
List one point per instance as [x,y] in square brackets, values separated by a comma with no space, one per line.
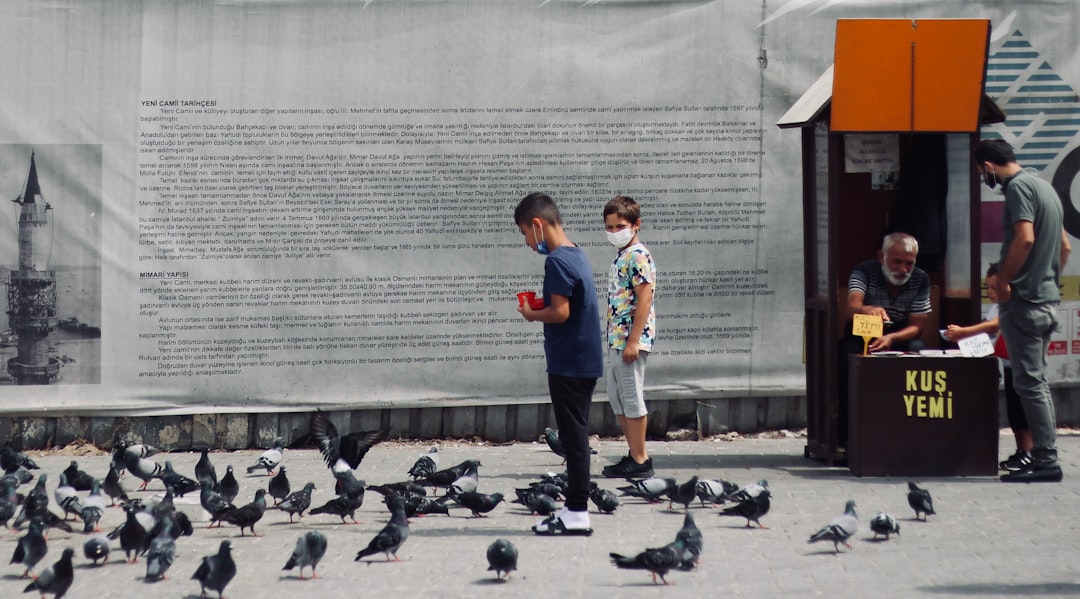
[864,325]
[976,346]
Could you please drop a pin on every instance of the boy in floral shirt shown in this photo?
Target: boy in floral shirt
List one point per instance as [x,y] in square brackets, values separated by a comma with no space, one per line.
[631,327]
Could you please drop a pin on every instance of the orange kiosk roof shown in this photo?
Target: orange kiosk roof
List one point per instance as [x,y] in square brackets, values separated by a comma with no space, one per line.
[909,74]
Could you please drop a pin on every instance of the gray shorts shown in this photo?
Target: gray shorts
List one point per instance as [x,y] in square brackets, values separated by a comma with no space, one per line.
[626,384]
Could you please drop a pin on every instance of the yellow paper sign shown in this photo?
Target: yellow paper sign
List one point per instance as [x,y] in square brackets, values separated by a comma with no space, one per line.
[866,326]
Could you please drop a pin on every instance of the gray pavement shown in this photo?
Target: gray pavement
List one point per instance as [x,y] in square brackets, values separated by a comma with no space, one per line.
[988,539]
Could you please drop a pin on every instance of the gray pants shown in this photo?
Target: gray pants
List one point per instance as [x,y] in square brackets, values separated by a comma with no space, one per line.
[1027,328]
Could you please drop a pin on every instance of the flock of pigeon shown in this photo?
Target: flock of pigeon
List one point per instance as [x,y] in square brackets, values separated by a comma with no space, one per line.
[153,526]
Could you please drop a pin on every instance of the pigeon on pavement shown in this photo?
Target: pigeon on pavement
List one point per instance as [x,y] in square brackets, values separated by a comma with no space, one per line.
[298,502]
[180,484]
[216,571]
[884,524]
[204,468]
[67,498]
[752,490]
[79,479]
[392,536]
[269,458]
[310,548]
[228,486]
[161,552]
[652,490]
[425,464]
[57,578]
[447,476]
[279,486]
[713,491]
[97,548]
[537,502]
[751,508]
[144,469]
[502,557]
[840,529]
[920,501]
[691,538]
[479,503]
[605,500]
[112,486]
[30,547]
[658,560]
[343,452]
[11,459]
[684,493]
[247,515]
[213,503]
[341,506]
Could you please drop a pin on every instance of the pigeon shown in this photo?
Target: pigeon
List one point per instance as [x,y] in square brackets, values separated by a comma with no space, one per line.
[920,501]
[31,547]
[749,491]
[112,486]
[57,578]
[684,493]
[658,561]
[133,533]
[751,508]
[502,557]
[537,502]
[180,484]
[427,505]
[11,459]
[36,503]
[78,479]
[425,464]
[95,499]
[447,476]
[343,451]
[884,524]
[341,506]
[213,503]
[228,486]
[269,458]
[467,482]
[161,553]
[551,437]
[216,571]
[204,468]
[552,490]
[297,502]
[19,476]
[67,498]
[713,491]
[405,489]
[97,548]
[392,536]
[247,515]
[604,500]
[479,503]
[310,548]
[91,517]
[346,483]
[649,489]
[840,529]
[143,469]
[8,502]
[692,541]
[279,486]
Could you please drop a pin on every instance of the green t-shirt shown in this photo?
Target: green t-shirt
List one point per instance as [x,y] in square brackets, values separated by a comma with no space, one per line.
[1029,198]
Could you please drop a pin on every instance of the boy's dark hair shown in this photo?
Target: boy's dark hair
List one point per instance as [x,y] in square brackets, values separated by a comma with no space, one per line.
[991,270]
[995,151]
[537,205]
[624,207]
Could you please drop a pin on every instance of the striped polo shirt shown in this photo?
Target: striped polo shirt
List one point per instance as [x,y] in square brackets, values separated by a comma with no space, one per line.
[914,296]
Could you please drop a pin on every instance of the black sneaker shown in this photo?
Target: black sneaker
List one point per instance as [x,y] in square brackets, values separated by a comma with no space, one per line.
[1034,474]
[628,468]
[1017,461]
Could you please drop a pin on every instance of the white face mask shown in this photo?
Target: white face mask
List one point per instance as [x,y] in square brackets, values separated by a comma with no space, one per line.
[621,238]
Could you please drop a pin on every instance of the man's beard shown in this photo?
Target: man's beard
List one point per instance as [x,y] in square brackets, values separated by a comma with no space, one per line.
[895,278]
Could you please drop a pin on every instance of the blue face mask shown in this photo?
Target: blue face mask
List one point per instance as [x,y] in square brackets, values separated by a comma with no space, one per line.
[542,246]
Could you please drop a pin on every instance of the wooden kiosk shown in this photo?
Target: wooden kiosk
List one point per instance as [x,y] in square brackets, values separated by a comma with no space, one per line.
[887,136]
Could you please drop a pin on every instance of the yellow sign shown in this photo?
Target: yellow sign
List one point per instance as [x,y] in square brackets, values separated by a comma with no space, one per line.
[864,325]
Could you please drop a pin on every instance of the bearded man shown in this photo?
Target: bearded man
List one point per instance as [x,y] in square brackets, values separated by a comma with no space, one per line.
[893,288]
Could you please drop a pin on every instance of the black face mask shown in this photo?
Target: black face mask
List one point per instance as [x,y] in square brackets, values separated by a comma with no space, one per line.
[990,178]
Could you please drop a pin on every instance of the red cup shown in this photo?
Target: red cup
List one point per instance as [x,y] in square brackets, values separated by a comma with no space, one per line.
[536,303]
[526,296]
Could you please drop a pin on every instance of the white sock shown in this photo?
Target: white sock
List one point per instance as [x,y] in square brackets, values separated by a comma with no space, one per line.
[575,519]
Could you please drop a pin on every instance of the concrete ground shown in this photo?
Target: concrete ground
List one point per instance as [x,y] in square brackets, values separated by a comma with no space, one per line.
[988,539]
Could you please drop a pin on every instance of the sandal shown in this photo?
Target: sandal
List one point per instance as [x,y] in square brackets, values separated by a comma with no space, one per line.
[554,526]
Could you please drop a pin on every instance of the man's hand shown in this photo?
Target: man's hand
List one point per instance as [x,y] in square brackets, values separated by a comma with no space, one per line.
[876,311]
[881,343]
[630,354]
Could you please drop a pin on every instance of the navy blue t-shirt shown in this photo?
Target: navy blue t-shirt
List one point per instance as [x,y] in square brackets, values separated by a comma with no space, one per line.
[573,348]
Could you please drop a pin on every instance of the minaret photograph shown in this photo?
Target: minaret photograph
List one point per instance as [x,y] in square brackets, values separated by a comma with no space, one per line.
[32,290]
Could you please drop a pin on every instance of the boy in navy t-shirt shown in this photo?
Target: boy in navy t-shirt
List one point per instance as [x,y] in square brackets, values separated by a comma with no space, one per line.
[572,346]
